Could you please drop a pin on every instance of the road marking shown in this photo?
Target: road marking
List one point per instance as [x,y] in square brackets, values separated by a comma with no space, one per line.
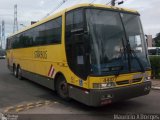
[10,108]
[20,109]
[30,104]
[25,107]
[47,102]
[20,106]
[30,107]
[39,105]
[5,111]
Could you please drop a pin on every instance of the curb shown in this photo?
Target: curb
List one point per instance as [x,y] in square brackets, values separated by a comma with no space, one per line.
[155,88]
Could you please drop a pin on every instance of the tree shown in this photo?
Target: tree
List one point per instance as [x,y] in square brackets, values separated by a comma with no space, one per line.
[157,40]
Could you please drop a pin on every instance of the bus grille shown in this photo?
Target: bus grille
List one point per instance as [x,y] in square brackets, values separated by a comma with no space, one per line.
[124,82]
[136,80]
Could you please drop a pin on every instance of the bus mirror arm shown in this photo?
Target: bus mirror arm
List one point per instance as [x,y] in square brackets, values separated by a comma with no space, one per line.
[77,30]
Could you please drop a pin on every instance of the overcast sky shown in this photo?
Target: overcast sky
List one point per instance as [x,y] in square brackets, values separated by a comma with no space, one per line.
[34,10]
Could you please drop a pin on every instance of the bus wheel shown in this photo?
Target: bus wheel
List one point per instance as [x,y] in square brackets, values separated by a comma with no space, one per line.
[19,73]
[15,71]
[62,88]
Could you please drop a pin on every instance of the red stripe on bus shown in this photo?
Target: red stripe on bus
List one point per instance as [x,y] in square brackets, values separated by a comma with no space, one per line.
[50,70]
[50,74]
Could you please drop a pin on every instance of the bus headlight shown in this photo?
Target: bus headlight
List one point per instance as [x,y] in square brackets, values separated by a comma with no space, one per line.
[109,84]
[147,79]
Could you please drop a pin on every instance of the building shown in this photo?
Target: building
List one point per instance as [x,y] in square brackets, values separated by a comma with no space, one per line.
[150,41]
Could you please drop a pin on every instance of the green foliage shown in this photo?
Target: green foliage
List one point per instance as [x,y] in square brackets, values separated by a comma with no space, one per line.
[155,63]
[157,40]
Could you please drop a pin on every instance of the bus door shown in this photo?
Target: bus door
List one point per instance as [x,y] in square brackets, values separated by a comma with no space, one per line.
[77,43]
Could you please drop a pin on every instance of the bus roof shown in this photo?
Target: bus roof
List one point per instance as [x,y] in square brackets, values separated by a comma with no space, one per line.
[58,14]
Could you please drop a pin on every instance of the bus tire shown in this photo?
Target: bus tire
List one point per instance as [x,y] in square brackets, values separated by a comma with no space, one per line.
[62,88]
[19,73]
[15,71]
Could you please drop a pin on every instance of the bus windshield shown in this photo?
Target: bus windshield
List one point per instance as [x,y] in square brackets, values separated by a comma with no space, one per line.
[112,36]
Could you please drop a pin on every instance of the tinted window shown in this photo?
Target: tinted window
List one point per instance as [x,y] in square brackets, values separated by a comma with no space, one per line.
[76,42]
[56,26]
[78,19]
[74,20]
[40,35]
[45,34]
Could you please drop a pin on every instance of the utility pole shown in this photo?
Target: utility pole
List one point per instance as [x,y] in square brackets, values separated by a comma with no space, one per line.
[15,26]
[113,2]
[3,34]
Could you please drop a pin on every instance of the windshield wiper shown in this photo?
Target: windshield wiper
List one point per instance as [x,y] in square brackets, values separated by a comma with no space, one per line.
[129,50]
[138,60]
[123,53]
[110,69]
[130,53]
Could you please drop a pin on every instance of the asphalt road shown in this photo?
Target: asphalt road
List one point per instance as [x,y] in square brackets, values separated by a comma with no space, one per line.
[16,92]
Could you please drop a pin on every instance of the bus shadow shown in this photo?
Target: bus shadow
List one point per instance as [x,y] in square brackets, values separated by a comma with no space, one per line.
[118,107]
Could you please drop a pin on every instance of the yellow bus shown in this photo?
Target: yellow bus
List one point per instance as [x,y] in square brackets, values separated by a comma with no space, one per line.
[95,54]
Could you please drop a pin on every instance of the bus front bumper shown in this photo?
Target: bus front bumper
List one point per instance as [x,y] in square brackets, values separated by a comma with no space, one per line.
[106,96]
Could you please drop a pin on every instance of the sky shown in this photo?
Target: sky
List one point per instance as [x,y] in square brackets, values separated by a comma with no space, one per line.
[35,10]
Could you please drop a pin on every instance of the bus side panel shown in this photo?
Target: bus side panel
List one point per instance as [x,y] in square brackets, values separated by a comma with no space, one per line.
[42,80]
[39,61]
